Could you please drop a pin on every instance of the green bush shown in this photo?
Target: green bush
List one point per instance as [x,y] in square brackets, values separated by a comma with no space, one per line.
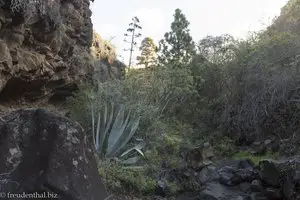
[126,180]
[224,146]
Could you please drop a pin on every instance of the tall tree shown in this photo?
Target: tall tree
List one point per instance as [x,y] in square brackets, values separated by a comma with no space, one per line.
[133,34]
[177,46]
[148,52]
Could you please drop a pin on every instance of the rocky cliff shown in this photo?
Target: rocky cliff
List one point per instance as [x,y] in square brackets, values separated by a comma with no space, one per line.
[107,66]
[288,20]
[44,48]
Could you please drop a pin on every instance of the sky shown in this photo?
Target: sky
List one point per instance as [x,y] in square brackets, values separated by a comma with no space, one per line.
[207,17]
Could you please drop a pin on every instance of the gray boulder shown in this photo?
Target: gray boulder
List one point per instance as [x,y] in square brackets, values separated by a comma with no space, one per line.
[42,152]
[282,174]
[216,191]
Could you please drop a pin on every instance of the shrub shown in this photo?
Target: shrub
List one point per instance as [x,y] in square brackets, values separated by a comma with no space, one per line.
[126,180]
[102,49]
[260,97]
[224,146]
[112,132]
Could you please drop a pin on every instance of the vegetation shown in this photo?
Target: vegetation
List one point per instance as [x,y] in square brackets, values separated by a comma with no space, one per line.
[226,91]
[110,135]
[255,159]
[177,47]
[148,53]
[133,34]
[102,49]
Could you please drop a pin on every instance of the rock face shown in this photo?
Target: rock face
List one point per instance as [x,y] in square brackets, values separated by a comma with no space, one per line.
[289,18]
[41,152]
[44,48]
[107,66]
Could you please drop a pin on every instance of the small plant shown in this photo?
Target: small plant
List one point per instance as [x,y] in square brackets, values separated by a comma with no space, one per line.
[224,146]
[255,159]
[126,180]
[112,133]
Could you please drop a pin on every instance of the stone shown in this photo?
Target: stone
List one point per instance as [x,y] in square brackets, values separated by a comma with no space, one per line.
[231,176]
[216,191]
[274,173]
[272,144]
[269,173]
[281,174]
[288,189]
[161,188]
[238,164]
[44,152]
[245,187]
[199,156]
[258,196]
[207,174]
[267,141]
[256,186]
[273,193]
[297,176]
[207,151]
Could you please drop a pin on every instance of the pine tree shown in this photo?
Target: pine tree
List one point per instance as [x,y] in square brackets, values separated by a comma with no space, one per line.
[148,52]
[177,47]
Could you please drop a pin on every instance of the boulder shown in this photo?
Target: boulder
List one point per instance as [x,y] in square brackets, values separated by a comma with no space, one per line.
[256,186]
[207,174]
[268,145]
[216,191]
[258,196]
[282,174]
[273,193]
[231,176]
[199,156]
[162,188]
[42,152]
[235,172]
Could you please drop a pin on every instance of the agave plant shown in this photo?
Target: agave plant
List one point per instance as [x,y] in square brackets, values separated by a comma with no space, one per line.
[112,133]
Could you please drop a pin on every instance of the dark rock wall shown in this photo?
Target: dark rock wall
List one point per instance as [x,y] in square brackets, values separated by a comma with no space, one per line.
[44,48]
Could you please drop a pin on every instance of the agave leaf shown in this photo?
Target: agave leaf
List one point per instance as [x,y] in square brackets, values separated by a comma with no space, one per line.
[137,148]
[140,152]
[93,126]
[139,139]
[133,167]
[98,133]
[131,161]
[122,137]
[115,133]
[102,129]
[130,130]
[107,128]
